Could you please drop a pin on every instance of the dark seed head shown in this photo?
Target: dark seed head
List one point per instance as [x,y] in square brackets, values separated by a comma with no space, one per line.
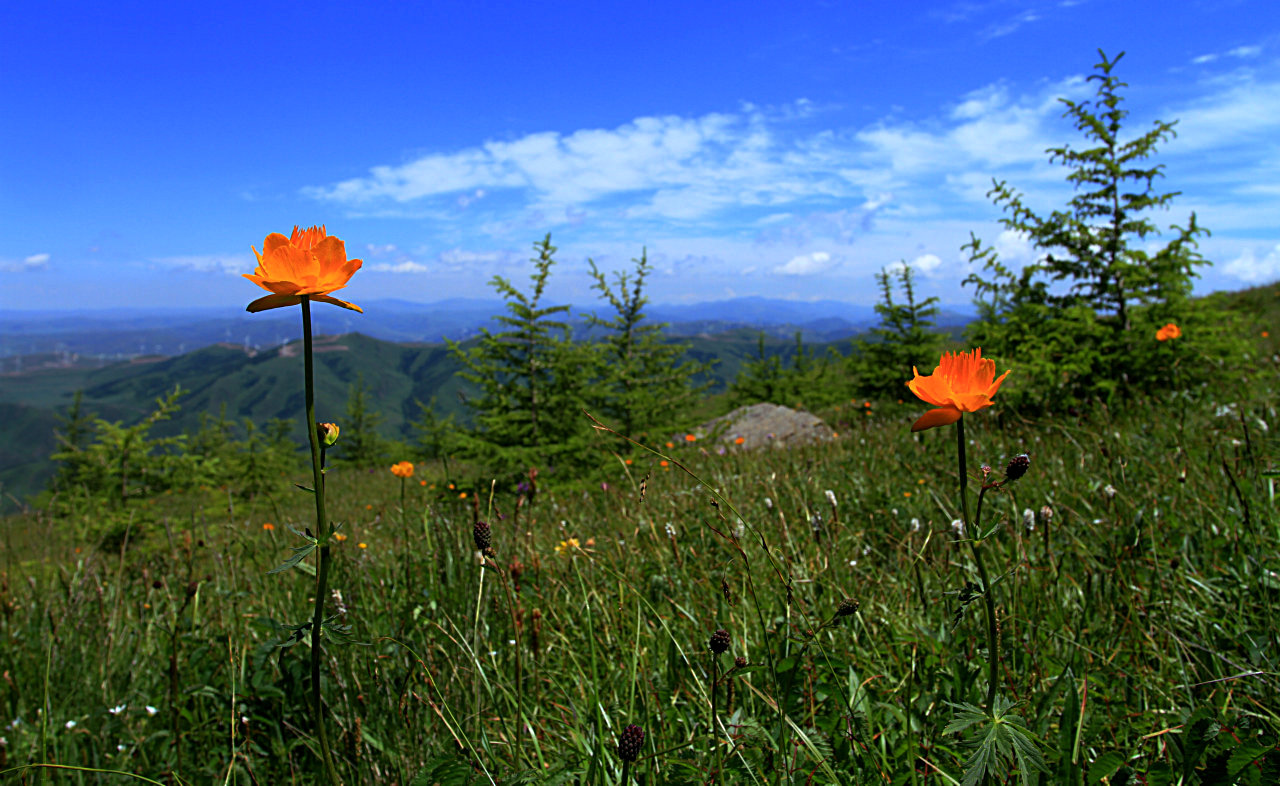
[629,742]
[740,662]
[719,641]
[1018,466]
[482,536]
[847,608]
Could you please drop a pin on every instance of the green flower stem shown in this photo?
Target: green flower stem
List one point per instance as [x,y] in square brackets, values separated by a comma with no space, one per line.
[971,530]
[322,535]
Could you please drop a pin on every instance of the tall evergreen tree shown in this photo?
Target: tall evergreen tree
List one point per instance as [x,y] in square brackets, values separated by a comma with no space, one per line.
[903,339]
[647,380]
[533,380]
[361,444]
[1079,320]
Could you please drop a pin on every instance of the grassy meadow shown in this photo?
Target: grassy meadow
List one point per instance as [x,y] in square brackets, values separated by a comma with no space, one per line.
[1134,572]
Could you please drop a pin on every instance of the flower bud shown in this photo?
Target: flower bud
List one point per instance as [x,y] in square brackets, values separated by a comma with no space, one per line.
[847,608]
[328,433]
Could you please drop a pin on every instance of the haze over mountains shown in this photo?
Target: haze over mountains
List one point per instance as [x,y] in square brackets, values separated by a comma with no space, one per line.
[114,334]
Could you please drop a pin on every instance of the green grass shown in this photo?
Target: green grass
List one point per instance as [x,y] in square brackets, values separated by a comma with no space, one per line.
[1138,629]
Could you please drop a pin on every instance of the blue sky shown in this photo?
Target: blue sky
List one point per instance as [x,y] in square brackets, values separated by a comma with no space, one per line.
[789,150]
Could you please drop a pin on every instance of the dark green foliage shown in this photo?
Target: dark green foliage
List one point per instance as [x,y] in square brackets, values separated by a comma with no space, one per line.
[810,380]
[533,382]
[124,462]
[360,444]
[647,381]
[1079,321]
[72,438]
[902,340]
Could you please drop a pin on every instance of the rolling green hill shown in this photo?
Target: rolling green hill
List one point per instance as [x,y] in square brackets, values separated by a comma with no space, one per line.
[240,384]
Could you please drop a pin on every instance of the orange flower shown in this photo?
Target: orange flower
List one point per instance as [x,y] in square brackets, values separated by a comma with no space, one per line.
[308,262]
[1265,334]
[422,483]
[962,382]
[268,526]
[662,463]
[690,438]
[1168,331]
[739,440]
[338,536]
[671,444]
[403,469]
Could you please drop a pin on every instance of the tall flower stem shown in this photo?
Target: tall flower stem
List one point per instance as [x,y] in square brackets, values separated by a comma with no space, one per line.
[322,535]
[971,531]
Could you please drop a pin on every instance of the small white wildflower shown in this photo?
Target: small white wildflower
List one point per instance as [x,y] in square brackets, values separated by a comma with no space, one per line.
[1029,519]
[1235,443]
[1109,491]
[831,497]
[120,746]
[511,642]
[244,719]
[1214,527]
[1262,424]
[1224,409]
[1046,513]
[894,511]
[915,525]
[119,708]
[671,530]
[768,503]
[3,742]
[151,710]
[740,530]
[71,724]
[957,526]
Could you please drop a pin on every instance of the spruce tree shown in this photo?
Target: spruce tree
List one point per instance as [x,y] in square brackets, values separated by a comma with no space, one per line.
[361,444]
[533,381]
[903,338]
[647,380]
[1079,320]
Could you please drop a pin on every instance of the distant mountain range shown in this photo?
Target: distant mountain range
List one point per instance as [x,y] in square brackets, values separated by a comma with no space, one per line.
[118,334]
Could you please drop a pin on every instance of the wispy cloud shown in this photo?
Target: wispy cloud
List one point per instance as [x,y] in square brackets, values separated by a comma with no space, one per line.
[807,264]
[1255,269]
[225,263]
[406,266]
[33,262]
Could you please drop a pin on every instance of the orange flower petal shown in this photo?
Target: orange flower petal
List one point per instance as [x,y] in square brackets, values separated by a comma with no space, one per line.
[272,301]
[936,417]
[333,301]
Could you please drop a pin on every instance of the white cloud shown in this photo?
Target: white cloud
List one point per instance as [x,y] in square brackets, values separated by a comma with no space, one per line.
[807,264]
[1249,268]
[671,167]
[1245,51]
[224,263]
[33,262]
[926,263]
[407,266]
